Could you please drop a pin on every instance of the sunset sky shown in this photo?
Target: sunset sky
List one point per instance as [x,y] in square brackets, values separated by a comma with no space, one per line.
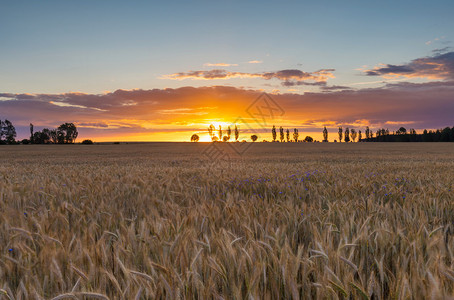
[160,71]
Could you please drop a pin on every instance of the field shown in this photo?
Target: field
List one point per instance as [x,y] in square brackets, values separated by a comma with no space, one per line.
[163,220]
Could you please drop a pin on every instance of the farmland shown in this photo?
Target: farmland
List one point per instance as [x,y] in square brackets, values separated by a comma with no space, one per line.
[164,220]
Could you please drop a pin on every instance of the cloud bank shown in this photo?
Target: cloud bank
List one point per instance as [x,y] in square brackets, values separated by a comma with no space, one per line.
[438,66]
[288,77]
[189,109]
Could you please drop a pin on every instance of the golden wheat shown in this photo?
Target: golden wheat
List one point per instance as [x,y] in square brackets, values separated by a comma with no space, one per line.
[162,220]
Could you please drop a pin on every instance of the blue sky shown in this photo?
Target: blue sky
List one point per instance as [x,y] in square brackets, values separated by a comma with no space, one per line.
[93,46]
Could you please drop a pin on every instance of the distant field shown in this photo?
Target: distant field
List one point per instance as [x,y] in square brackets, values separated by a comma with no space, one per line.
[165,220]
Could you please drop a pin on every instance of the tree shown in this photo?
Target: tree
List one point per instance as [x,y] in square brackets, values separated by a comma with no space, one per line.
[281,134]
[194,138]
[46,132]
[288,135]
[359,136]
[346,135]
[340,134]
[211,131]
[53,136]
[87,142]
[237,133]
[41,137]
[295,135]
[325,134]
[220,133]
[254,137]
[353,134]
[401,130]
[7,132]
[67,133]
[308,139]
[225,138]
[368,133]
[229,133]
[273,131]
[31,133]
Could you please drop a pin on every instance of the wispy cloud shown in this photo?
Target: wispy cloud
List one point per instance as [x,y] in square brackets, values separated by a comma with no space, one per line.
[439,66]
[289,77]
[255,62]
[219,65]
[435,40]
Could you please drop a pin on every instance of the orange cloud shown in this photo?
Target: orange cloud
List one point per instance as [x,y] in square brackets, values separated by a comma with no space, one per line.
[173,113]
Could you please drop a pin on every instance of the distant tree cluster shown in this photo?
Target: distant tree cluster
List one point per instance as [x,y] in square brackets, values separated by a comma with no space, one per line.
[7,133]
[347,135]
[284,135]
[64,134]
[221,136]
[402,135]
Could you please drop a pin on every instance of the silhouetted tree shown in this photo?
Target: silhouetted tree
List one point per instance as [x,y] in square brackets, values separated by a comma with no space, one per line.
[41,137]
[229,133]
[31,133]
[273,131]
[308,139]
[211,131]
[367,132]
[237,133]
[325,134]
[360,136]
[225,138]
[295,135]
[254,137]
[87,142]
[194,138]
[53,136]
[7,132]
[288,135]
[401,130]
[353,134]
[347,135]
[67,133]
[281,134]
[220,133]
[445,133]
[340,134]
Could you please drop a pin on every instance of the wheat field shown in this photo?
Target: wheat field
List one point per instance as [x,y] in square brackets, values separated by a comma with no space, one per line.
[282,221]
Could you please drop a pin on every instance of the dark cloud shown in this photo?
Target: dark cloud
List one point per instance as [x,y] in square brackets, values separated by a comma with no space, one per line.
[441,50]
[439,66]
[335,88]
[298,82]
[289,76]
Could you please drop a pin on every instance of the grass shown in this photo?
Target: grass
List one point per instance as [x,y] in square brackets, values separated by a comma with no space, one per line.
[161,220]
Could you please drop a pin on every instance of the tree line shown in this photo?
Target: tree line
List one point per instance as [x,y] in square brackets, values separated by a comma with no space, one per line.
[346,135]
[440,135]
[64,134]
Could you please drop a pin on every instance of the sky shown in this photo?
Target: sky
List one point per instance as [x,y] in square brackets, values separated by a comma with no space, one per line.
[152,71]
